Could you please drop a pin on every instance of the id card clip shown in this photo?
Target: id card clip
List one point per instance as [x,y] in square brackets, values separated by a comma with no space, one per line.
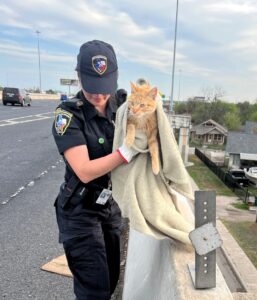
[104,197]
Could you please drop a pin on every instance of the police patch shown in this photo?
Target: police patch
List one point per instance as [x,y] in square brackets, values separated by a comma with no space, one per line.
[62,120]
[99,63]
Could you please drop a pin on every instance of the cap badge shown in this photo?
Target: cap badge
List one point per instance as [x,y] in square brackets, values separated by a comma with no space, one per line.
[99,63]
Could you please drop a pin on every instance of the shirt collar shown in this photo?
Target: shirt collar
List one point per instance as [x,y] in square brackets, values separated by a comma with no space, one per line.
[90,111]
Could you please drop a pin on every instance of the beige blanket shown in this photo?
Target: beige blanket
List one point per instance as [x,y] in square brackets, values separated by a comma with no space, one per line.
[154,204]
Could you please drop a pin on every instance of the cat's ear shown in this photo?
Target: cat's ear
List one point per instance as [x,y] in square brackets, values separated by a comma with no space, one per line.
[153,93]
[133,87]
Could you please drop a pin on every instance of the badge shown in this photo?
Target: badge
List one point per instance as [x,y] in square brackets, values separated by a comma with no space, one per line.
[104,197]
[99,63]
[101,140]
[62,120]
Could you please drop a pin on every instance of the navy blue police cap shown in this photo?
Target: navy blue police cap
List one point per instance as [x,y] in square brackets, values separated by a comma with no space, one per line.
[97,67]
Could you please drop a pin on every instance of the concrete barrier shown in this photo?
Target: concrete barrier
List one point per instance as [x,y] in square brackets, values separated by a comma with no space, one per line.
[158,270]
[37,96]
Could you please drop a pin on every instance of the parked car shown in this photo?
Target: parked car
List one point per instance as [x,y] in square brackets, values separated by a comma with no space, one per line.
[238,176]
[63,97]
[15,96]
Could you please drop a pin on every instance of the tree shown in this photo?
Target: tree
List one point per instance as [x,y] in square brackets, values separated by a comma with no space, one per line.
[244,110]
[253,116]
[213,93]
[180,107]
[50,91]
[232,121]
[200,113]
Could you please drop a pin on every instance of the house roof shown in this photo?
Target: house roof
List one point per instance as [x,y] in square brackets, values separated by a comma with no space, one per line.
[204,128]
[250,127]
[247,156]
[238,142]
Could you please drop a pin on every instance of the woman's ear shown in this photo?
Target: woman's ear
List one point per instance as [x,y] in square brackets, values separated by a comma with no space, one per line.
[80,85]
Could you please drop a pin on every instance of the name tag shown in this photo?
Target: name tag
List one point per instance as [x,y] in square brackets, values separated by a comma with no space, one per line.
[104,197]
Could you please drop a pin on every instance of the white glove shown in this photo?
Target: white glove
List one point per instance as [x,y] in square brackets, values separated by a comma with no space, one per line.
[126,153]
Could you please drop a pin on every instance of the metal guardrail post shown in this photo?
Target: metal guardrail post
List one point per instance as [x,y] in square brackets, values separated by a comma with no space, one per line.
[204,272]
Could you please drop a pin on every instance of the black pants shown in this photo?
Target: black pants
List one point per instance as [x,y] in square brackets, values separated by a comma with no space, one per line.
[93,249]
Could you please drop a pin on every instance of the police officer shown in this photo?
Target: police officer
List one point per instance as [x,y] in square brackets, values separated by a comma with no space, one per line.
[89,220]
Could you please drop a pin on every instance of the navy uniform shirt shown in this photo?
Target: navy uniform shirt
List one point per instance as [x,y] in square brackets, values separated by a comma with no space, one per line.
[82,124]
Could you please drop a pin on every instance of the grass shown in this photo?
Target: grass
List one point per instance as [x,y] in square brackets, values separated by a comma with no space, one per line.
[253,190]
[245,233]
[241,205]
[208,146]
[206,179]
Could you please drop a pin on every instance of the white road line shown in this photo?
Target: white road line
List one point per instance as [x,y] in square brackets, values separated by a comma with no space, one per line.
[20,120]
[27,121]
[47,113]
[31,183]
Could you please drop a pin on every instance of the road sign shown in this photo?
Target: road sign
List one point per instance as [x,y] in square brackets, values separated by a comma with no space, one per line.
[73,82]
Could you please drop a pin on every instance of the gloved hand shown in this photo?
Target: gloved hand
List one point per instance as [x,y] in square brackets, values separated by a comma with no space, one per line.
[127,153]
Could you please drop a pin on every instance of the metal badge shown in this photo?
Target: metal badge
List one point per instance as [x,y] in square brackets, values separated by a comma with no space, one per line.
[99,63]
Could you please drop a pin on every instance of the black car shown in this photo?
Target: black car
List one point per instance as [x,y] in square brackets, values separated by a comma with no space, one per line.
[15,96]
[238,176]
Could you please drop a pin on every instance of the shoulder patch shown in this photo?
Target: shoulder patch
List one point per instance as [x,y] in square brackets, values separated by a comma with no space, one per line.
[62,120]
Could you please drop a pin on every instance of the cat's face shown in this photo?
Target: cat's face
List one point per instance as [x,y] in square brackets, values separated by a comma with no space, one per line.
[142,100]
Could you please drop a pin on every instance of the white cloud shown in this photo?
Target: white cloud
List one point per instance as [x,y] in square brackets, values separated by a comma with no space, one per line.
[27,53]
[232,7]
[216,38]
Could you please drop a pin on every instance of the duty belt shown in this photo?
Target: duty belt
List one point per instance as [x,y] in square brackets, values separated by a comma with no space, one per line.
[74,191]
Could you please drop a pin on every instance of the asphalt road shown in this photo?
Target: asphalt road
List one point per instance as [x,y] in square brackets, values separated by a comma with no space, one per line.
[31,172]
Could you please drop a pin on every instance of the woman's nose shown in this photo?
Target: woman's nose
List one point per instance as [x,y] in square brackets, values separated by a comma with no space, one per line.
[97,96]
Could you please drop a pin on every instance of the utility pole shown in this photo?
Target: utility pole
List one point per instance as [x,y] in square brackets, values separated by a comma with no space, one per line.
[174,59]
[39,65]
[179,84]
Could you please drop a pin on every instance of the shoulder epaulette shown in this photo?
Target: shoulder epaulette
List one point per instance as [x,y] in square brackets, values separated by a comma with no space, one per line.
[73,103]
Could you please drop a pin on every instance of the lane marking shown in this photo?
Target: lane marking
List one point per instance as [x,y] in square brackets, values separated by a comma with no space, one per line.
[31,183]
[21,120]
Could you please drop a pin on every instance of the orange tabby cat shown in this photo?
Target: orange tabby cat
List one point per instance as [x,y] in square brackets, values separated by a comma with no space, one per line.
[142,106]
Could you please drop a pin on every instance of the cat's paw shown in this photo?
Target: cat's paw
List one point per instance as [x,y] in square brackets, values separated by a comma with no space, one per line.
[129,142]
[155,168]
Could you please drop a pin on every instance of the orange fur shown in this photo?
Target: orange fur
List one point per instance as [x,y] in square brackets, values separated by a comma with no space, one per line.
[142,116]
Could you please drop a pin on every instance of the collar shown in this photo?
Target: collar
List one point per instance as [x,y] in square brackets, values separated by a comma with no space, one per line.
[90,111]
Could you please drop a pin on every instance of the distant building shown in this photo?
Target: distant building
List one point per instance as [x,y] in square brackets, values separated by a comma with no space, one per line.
[198,98]
[209,132]
[166,105]
[242,147]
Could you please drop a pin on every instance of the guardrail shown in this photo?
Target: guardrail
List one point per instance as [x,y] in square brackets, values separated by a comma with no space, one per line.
[38,96]
[227,179]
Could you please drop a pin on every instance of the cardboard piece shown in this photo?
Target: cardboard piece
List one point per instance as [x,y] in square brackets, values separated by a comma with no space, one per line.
[58,265]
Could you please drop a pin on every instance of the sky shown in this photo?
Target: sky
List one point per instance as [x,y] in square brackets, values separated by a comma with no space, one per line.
[216,43]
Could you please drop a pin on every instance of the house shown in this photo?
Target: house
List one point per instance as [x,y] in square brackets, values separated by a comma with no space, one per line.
[242,147]
[209,132]
[199,98]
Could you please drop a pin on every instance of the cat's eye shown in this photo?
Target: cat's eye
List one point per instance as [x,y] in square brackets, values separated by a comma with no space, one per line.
[142,105]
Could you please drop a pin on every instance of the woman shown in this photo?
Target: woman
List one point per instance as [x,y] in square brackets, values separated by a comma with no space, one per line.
[89,219]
